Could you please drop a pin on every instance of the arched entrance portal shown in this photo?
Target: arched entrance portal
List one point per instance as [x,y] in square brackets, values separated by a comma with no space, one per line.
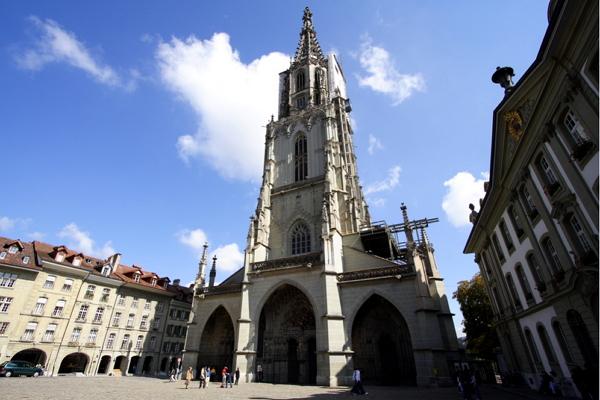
[146,368]
[381,343]
[104,365]
[74,362]
[34,356]
[286,348]
[216,345]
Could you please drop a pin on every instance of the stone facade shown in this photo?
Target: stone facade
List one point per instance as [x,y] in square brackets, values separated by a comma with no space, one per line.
[74,313]
[536,236]
[318,280]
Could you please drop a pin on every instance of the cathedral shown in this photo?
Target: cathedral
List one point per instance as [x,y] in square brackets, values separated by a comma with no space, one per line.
[323,289]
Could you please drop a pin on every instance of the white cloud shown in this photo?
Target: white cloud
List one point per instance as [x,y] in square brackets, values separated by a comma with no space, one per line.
[377,202]
[382,75]
[229,257]
[58,45]
[389,183]
[193,238]
[6,223]
[462,189]
[374,144]
[81,241]
[233,101]
[36,235]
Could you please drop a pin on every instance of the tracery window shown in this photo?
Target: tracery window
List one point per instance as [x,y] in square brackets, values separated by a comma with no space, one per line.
[300,239]
[300,159]
[300,81]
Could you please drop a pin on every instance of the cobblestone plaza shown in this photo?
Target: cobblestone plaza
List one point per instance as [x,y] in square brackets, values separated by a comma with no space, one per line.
[92,388]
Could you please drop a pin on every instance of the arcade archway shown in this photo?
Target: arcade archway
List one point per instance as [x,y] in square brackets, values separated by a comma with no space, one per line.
[133,365]
[147,367]
[119,365]
[382,345]
[74,362]
[216,345]
[34,356]
[286,348]
[104,365]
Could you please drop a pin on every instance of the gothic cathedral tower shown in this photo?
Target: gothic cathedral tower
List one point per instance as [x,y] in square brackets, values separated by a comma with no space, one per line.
[322,289]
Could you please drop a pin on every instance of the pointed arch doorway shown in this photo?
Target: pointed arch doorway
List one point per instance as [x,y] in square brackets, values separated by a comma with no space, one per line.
[382,345]
[216,344]
[286,348]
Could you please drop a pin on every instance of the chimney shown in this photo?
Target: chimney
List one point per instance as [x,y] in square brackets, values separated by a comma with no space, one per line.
[114,260]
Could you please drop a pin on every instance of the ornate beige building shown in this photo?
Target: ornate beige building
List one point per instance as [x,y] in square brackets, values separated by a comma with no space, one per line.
[73,313]
[323,289]
[536,236]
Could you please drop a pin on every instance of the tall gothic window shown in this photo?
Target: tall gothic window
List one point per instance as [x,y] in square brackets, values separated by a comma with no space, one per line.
[300,239]
[300,81]
[300,159]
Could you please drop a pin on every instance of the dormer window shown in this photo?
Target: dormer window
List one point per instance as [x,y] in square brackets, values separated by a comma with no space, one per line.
[77,261]
[153,282]
[106,270]
[3,255]
[13,249]
[25,259]
[136,277]
[60,257]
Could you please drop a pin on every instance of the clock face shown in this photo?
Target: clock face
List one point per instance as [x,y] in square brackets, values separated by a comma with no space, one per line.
[514,124]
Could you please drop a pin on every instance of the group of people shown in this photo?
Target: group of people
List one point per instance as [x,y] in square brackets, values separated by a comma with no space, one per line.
[228,378]
[468,385]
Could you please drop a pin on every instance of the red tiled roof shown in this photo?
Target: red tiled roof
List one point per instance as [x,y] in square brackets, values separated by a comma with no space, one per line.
[47,252]
[125,273]
[25,250]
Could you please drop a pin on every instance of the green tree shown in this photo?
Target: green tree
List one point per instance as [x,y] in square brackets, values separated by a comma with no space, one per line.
[478,317]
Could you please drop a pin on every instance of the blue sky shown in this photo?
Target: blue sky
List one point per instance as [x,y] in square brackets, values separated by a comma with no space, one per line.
[138,129]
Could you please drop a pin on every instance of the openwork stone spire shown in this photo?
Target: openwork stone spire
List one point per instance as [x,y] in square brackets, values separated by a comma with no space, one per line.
[308,46]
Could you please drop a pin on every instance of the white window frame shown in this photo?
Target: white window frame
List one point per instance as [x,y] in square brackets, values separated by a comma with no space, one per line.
[50,281]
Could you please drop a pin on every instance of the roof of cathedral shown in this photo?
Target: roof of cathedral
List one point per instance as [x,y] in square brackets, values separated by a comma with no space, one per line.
[234,278]
[308,46]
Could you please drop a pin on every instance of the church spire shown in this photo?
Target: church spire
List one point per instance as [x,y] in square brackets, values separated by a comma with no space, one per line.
[308,46]
[213,273]
[200,278]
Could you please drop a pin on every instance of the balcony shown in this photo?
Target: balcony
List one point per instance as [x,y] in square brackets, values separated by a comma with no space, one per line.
[73,343]
[89,296]
[304,260]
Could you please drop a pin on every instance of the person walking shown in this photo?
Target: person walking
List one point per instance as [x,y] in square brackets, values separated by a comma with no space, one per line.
[237,375]
[172,374]
[224,373]
[259,373]
[189,375]
[202,378]
[358,387]
[208,374]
